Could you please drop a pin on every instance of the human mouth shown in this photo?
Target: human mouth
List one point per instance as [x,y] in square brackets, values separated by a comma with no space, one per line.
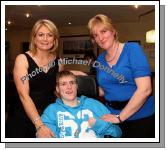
[103,42]
[69,92]
[44,44]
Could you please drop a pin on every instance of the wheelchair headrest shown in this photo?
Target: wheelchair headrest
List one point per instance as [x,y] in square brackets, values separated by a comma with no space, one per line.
[87,86]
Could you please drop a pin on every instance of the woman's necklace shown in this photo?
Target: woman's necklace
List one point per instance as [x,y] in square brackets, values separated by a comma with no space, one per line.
[114,55]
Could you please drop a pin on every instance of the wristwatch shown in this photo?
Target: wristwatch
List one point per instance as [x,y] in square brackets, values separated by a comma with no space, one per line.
[120,121]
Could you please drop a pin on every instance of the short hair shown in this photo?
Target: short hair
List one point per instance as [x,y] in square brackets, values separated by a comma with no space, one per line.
[104,20]
[64,74]
[52,28]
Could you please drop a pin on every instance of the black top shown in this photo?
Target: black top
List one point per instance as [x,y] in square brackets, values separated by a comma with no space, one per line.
[42,87]
[41,84]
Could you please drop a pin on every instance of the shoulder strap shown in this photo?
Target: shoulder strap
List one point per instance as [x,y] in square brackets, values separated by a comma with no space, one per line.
[31,62]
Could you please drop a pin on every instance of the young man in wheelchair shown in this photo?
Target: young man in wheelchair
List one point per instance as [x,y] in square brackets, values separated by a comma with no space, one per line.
[75,117]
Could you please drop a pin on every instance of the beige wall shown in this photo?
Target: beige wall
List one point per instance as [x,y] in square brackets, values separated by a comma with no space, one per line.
[127,31]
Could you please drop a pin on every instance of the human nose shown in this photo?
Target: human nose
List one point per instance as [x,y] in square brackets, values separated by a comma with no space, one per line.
[100,37]
[45,36]
[69,85]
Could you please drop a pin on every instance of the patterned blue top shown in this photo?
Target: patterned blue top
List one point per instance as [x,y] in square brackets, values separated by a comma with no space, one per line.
[72,122]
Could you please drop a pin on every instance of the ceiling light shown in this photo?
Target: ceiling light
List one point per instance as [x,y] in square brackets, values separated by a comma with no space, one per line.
[150,36]
[9,22]
[69,23]
[136,6]
[27,15]
[6,29]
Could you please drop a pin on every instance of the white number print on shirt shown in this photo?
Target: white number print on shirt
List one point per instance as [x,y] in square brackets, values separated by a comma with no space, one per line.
[75,126]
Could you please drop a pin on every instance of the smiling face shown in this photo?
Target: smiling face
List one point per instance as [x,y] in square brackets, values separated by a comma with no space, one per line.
[67,89]
[44,39]
[103,36]
[103,31]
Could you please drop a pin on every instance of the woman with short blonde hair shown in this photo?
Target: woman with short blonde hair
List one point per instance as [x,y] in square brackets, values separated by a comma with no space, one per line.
[105,21]
[123,75]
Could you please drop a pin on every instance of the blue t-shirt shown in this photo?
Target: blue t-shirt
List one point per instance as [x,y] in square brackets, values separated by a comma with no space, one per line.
[118,81]
[72,122]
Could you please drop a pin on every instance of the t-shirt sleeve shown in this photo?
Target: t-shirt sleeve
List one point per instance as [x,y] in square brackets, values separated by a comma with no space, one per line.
[138,61]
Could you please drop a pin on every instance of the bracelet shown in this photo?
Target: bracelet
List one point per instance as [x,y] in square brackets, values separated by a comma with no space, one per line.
[119,118]
[37,118]
[37,129]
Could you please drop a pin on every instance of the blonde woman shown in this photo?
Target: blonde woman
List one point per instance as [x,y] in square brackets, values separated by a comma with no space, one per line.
[34,75]
[123,75]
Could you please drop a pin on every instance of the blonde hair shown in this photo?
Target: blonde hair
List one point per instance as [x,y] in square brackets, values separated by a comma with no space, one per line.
[52,28]
[104,20]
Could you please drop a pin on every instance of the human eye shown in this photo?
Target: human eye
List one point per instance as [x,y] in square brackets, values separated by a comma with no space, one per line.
[104,31]
[63,84]
[40,34]
[72,82]
[50,34]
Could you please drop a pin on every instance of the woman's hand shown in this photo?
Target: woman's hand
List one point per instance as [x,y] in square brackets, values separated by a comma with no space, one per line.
[110,118]
[44,132]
